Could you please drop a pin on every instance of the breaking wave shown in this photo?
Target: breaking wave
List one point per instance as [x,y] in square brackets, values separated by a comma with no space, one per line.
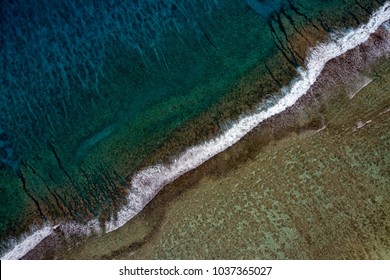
[28,242]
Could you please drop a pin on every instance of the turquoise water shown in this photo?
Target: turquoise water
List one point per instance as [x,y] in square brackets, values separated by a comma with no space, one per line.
[89,92]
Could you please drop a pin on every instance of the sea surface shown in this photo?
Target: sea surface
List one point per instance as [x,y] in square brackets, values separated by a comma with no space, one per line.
[103,103]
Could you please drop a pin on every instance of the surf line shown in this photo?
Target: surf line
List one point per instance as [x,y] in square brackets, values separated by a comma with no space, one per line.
[27,243]
[148,182]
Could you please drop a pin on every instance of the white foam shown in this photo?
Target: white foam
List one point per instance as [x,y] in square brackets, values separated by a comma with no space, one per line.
[74,228]
[148,182]
[27,243]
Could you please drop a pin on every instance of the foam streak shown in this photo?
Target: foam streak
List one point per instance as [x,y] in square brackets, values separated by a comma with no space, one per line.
[27,243]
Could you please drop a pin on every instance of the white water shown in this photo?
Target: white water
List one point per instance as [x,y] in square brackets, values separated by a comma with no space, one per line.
[148,182]
[27,243]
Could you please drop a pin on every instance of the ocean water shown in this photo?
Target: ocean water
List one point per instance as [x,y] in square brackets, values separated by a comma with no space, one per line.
[90,92]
